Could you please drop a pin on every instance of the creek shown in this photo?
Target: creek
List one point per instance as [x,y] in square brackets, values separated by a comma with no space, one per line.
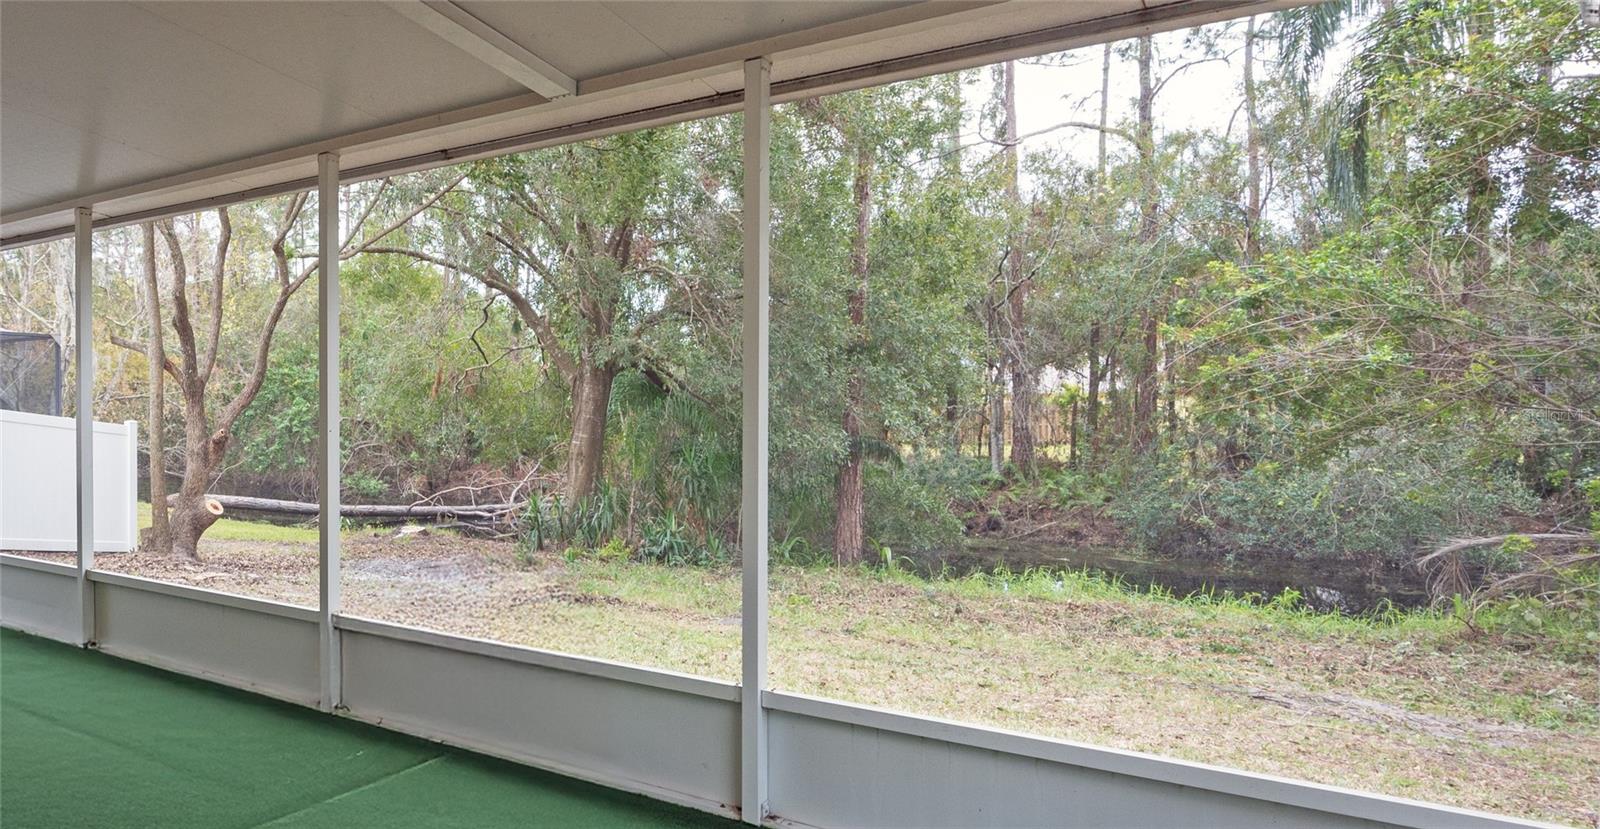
[1328,585]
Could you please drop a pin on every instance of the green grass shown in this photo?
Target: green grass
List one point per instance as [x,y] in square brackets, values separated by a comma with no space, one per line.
[233,529]
[1194,635]
[94,741]
[1572,637]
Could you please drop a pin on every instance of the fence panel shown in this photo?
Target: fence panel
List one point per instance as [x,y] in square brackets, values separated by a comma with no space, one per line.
[38,481]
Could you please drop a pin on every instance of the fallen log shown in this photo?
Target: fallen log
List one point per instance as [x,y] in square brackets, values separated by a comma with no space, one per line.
[479,512]
[1459,544]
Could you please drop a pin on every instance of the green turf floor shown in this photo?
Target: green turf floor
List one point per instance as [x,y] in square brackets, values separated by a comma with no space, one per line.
[87,740]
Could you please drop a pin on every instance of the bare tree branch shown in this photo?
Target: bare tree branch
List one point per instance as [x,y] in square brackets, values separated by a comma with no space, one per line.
[224,237]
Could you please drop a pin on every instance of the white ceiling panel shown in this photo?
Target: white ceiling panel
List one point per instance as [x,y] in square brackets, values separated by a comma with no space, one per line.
[151,98]
[566,33]
[360,53]
[65,158]
[682,29]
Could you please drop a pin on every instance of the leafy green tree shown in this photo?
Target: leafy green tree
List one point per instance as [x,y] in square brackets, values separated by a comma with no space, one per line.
[595,247]
[844,164]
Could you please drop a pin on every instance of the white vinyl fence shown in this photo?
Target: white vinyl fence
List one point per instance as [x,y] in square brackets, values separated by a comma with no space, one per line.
[38,484]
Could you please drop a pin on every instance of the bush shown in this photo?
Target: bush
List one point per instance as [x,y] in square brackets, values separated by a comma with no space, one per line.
[1068,488]
[667,540]
[1560,622]
[1382,501]
[590,521]
[910,505]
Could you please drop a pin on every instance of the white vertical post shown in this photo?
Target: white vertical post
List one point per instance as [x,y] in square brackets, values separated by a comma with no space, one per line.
[328,602]
[83,325]
[131,520]
[753,512]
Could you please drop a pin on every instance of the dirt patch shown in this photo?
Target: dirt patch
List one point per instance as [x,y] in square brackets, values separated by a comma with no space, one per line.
[1345,707]
[1003,516]
[452,569]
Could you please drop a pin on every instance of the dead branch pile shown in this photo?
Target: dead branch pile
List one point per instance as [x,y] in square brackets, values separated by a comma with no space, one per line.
[1449,573]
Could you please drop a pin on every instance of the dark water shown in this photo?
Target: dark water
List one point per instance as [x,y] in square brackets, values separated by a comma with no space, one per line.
[1326,585]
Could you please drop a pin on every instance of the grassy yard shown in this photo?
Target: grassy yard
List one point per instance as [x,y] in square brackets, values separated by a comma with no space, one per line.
[1411,705]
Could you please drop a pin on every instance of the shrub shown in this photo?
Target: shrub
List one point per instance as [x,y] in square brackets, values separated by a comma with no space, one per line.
[1066,487]
[1382,501]
[667,540]
[910,505]
[590,521]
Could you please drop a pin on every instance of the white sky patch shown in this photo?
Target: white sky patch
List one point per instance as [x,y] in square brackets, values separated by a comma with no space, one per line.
[1066,87]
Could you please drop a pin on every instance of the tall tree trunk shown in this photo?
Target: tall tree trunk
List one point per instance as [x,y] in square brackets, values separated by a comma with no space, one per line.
[205,442]
[1105,108]
[156,357]
[1072,435]
[952,418]
[190,518]
[1116,392]
[1092,404]
[849,526]
[1252,221]
[952,170]
[62,327]
[1145,395]
[1230,451]
[997,416]
[1022,442]
[1096,371]
[591,400]
[1534,222]
[1483,196]
[1144,401]
[1172,391]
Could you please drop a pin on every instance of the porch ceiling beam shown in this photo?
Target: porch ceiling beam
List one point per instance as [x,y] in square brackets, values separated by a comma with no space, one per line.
[482,41]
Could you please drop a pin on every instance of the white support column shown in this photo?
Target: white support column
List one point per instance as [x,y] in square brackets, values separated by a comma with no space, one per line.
[131,513]
[83,326]
[328,602]
[753,513]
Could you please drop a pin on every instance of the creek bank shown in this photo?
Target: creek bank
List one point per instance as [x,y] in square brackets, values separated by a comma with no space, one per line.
[1348,587]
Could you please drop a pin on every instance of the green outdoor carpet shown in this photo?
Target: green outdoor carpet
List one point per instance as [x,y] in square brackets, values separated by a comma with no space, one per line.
[87,740]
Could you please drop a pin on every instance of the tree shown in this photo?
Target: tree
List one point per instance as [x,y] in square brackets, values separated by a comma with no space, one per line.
[1398,325]
[208,422]
[849,522]
[1017,285]
[852,208]
[1095,371]
[1253,205]
[590,244]
[156,429]
[1145,382]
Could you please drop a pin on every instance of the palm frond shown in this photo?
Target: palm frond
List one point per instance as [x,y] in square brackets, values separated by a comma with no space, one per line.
[1306,34]
[1356,106]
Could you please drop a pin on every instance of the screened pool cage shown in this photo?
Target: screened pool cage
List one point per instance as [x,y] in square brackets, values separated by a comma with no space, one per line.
[30,373]
[446,81]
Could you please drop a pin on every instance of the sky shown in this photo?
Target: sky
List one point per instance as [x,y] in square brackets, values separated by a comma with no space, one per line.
[1066,87]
